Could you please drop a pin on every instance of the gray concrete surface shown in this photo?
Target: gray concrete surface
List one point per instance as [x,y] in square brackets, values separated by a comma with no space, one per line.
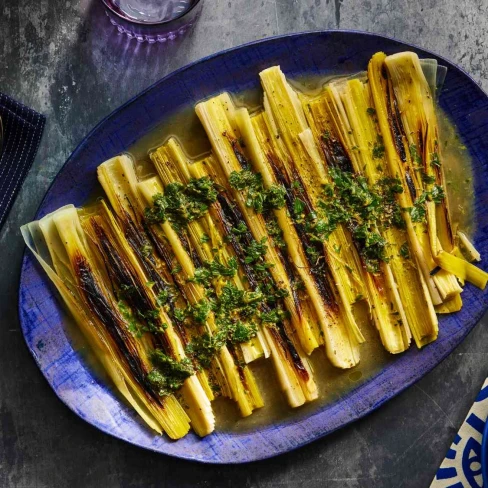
[54,56]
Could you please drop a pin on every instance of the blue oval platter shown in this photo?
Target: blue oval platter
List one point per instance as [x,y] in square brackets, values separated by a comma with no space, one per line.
[325,53]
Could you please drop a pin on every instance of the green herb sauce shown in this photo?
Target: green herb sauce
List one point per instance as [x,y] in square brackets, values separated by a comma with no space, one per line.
[181,204]
[257,197]
[168,374]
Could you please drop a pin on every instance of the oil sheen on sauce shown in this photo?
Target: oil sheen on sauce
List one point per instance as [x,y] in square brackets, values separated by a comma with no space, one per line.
[333,383]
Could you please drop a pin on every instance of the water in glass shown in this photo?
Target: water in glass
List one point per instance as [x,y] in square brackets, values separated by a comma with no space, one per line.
[151,11]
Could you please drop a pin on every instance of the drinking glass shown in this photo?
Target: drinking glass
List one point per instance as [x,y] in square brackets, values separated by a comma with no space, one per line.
[152,20]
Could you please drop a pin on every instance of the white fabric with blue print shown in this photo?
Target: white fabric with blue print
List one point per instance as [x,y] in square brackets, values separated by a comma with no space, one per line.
[461,467]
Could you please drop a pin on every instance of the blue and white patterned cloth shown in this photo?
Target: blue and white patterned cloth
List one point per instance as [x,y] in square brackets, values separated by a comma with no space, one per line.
[461,467]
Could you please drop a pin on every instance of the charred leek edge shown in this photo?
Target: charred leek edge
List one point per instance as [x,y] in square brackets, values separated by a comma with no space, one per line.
[288,175]
[99,341]
[285,114]
[171,165]
[347,105]
[394,151]
[418,307]
[70,254]
[419,117]
[354,131]
[268,160]
[128,208]
[383,93]
[327,116]
[334,319]
[294,372]
[299,385]
[100,225]
[119,177]
[240,380]
[417,111]
[216,116]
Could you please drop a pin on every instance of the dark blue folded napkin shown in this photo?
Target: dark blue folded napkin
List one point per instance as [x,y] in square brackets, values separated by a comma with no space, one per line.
[22,131]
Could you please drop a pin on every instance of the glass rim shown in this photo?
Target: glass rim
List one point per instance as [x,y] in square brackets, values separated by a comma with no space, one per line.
[162,22]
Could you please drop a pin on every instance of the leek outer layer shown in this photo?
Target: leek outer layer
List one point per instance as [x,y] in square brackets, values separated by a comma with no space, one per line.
[344,112]
[316,276]
[217,119]
[78,270]
[285,114]
[119,180]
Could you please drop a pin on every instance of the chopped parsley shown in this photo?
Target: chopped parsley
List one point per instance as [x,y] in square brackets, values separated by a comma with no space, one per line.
[257,197]
[435,162]
[141,321]
[273,316]
[378,150]
[418,212]
[166,296]
[298,208]
[242,332]
[416,157]
[146,249]
[152,321]
[234,311]
[214,269]
[296,185]
[181,204]
[180,314]
[427,179]
[349,200]
[391,213]
[200,310]
[196,313]
[240,229]
[275,197]
[127,290]
[256,251]
[131,322]
[168,374]
[276,233]
[253,183]
[203,348]
[404,251]
[437,194]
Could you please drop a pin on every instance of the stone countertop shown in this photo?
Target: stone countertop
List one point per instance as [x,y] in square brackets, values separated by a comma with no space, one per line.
[54,57]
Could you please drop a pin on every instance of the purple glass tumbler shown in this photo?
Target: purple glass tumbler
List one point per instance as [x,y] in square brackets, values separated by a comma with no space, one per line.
[153,20]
